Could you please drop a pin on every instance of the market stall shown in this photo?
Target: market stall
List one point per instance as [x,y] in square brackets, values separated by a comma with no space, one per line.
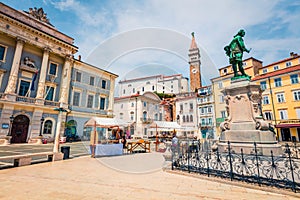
[101,148]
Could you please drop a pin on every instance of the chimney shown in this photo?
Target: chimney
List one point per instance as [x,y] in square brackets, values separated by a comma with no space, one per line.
[291,54]
[79,57]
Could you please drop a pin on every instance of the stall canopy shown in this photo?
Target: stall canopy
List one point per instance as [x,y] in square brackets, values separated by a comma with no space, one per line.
[164,126]
[105,122]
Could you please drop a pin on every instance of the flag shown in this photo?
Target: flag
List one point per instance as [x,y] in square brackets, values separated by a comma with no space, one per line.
[33,80]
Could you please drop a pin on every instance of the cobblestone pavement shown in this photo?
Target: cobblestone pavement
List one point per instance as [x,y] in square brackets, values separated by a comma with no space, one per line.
[88,178]
[76,149]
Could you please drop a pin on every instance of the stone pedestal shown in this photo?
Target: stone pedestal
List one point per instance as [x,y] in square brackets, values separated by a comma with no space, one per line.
[36,140]
[244,124]
[4,140]
[58,156]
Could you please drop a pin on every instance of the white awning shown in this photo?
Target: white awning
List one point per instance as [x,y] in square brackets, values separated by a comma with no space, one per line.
[165,125]
[105,122]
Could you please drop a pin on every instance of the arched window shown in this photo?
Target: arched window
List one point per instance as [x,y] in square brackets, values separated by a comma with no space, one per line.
[187,119]
[48,127]
[183,118]
[131,115]
[144,115]
[191,118]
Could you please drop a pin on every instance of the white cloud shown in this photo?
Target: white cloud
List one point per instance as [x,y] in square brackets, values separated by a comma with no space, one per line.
[214,24]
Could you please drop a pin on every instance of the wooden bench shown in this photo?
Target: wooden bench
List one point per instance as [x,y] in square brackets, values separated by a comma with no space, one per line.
[25,159]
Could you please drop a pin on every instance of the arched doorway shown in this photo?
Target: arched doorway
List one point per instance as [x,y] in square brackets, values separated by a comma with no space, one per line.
[71,130]
[19,129]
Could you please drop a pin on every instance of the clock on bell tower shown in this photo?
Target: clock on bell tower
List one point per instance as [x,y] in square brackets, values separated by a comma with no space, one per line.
[194,61]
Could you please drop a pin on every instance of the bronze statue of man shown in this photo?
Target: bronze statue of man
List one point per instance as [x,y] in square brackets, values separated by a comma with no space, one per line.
[235,53]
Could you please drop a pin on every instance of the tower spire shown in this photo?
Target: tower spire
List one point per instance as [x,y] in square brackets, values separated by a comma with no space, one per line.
[193,44]
[194,61]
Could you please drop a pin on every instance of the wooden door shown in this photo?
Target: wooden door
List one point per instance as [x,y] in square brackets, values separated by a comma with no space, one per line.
[19,129]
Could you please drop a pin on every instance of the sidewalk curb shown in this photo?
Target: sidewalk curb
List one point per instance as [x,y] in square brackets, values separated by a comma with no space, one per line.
[236,183]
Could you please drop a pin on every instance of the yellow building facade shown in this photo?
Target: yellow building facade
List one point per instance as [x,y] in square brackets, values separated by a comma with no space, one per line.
[281,96]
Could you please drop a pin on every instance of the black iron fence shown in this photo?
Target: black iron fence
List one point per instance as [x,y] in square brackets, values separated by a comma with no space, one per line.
[278,171]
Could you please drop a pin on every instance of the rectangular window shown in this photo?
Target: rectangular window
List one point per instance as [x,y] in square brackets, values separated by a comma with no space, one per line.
[90,101]
[288,64]
[221,99]
[78,77]
[202,111]
[223,114]
[143,89]
[210,121]
[49,93]
[283,114]
[266,100]
[277,82]
[153,88]
[280,97]
[268,115]
[296,95]
[2,52]
[298,113]
[76,98]
[203,122]
[264,71]
[220,84]
[294,79]
[145,104]
[103,84]
[191,106]
[102,103]
[133,90]
[276,67]
[53,69]
[209,109]
[263,85]
[132,104]
[181,107]
[92,80]
[24,87]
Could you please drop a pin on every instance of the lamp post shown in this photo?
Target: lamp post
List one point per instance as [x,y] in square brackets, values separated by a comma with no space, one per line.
[11,120]
[42,121]
[58,126]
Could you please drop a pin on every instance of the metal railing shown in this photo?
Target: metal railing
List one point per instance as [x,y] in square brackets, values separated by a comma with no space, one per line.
[276,171]
[146,120]
[25,99]
[31,100]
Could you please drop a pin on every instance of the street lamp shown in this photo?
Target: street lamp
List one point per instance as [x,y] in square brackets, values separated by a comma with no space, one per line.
[11,120]
[58,127]
[42,121]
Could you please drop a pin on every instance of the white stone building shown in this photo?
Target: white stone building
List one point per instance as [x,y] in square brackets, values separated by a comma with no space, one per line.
[139,110]
[174,84]
[186,114]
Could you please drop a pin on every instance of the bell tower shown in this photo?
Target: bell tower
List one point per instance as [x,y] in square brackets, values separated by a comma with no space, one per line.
[194,61]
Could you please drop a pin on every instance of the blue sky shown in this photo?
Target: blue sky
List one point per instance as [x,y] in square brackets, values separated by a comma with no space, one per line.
[138,38]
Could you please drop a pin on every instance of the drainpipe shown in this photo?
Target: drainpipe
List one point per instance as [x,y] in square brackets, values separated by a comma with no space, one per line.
[273,108]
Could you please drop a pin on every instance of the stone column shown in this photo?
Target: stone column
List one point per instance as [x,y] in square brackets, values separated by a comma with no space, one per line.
[13,77]
[65,82]
[111,96]
[43,73]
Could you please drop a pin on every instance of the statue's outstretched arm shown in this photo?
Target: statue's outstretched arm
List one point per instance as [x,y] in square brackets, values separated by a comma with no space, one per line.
[242,45]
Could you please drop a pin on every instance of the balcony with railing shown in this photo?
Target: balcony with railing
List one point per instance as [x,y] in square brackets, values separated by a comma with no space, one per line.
[28,100]
[146,120]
